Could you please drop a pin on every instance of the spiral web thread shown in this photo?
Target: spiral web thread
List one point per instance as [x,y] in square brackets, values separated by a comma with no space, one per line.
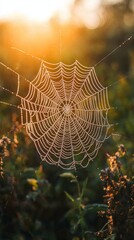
[65,112]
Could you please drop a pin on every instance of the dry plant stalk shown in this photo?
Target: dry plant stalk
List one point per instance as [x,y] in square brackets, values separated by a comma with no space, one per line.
[119,196]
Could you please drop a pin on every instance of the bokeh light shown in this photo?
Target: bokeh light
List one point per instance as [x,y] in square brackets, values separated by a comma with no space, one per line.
[36,10]
[81,12]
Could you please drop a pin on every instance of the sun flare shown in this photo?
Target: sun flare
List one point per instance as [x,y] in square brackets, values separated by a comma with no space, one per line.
[35,10]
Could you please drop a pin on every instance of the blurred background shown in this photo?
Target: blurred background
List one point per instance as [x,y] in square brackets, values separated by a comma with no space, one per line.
[33,200]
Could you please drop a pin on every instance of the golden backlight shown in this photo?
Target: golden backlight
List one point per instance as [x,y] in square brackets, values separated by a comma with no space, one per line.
[31,29]
[34,10]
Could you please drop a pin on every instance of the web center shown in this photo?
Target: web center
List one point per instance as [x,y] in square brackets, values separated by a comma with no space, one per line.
[67,109]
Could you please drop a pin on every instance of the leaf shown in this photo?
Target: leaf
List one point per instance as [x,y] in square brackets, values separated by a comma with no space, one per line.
[96,207]
[69,196]
[33,182]
[84,188]
[74,181]
[70,213]
[29,173]
[67,175]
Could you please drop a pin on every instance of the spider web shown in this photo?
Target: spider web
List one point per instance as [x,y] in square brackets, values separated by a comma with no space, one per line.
[65,113]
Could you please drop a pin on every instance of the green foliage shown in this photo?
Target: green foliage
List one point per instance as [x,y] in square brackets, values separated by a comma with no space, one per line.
[33,207]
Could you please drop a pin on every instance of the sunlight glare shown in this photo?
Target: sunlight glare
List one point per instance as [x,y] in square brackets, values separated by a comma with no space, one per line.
[34,10]
[85,12]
